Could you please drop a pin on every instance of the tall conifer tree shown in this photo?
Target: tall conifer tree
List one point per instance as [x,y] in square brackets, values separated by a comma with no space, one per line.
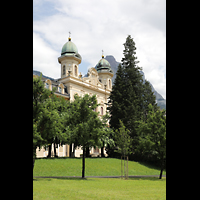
[130,95]
[133,83]
[116,104]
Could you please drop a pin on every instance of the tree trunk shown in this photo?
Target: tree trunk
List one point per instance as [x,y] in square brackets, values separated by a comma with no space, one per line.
[121,169]
[127,167]
[124,168]
[87,152]
[161,173]
[83,163]
[54,147]
[102,152]
[162,167]
[34,156]
[33,162]
[49,153]
[70,151]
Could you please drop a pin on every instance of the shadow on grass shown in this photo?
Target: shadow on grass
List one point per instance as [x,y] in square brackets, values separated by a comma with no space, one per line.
[146,164]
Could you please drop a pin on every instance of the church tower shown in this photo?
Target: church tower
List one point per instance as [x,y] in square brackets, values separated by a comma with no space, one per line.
[69,59]
[105,72]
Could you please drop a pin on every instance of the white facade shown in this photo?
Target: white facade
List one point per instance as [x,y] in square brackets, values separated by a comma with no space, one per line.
[97,81]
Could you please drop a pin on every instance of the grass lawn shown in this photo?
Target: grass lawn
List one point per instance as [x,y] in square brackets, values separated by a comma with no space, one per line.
[94,167]
[100,188]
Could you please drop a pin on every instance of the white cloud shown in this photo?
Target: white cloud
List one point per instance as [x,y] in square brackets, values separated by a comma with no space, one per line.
[44,57]
[97,25]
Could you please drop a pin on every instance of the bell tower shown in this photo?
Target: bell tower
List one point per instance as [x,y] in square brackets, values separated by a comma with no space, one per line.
[69,59]
[105,72]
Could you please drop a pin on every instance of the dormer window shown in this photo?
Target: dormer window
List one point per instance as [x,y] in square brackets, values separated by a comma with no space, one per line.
[47,85]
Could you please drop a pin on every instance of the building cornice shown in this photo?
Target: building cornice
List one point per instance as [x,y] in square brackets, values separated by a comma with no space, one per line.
[72,55]
[81,82]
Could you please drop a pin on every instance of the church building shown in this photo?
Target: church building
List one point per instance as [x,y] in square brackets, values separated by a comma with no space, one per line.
[97,81]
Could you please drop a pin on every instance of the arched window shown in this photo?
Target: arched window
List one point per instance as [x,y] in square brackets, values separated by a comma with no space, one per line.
[101,110]
[75,71]
[64,70]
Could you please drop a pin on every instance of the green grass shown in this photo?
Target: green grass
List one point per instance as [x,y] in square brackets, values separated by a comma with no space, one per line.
[100,188]
[94,167]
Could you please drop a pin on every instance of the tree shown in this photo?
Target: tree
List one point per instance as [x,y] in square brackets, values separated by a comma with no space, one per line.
[124,145]
[126,100]
[84,125]
[48,118]
[133,86]
[152,136]
[40,95]
[130,95]
[116,99]
[149,98]
[106,133]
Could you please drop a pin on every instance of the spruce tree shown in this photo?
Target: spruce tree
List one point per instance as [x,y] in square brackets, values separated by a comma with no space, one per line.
[133,82]
[130,95]
[116,104]
[148,98]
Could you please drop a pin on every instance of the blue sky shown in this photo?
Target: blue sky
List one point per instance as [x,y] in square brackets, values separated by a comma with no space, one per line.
[97,25]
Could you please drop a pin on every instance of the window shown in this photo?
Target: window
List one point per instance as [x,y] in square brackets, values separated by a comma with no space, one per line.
[59,89]
[75,71]
[109,84]
[47,85]
[64,70]
[101,110]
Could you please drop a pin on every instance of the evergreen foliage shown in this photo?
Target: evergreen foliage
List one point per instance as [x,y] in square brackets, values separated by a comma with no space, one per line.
[151,134]
[130,95]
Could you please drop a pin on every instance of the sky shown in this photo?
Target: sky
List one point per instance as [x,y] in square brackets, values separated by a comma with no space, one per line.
[97,25]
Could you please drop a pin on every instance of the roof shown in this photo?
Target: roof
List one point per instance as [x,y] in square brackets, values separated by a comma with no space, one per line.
[103,65]
[55,82]
[69,49]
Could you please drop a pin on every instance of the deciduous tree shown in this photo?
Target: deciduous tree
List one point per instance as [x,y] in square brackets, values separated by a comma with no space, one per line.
[48,116]
[124,145]
[84,127]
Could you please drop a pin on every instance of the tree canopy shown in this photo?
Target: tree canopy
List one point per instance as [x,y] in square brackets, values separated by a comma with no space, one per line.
[151,135]
[130,94]
[49,113]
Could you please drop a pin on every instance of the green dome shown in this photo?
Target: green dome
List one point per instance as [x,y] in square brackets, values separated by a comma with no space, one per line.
[104,65]
[69,47]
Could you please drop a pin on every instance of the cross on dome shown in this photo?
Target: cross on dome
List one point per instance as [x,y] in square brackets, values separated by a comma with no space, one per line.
[102,54]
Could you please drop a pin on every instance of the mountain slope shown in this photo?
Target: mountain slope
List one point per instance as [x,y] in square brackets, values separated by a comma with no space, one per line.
[114,64]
